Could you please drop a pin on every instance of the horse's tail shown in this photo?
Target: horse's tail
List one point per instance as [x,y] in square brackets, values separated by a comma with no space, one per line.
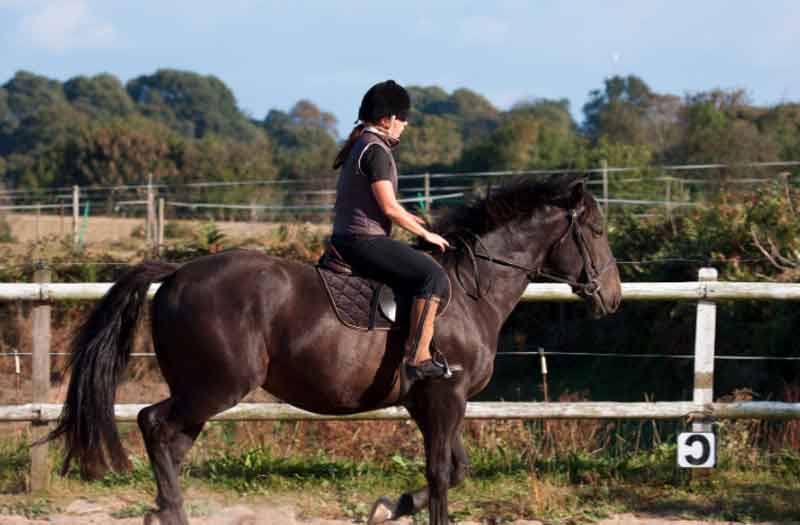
[99,355]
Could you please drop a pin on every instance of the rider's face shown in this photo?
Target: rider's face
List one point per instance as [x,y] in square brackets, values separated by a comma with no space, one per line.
[393,126]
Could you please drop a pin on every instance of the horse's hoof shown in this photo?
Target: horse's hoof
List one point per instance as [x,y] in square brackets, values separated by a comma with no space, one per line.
[381,511]
[161,518]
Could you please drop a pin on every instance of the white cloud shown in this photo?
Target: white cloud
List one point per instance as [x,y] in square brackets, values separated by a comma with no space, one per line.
[61,25]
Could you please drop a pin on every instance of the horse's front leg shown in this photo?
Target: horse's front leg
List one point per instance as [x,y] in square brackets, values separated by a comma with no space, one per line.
[412,502]
[437,470]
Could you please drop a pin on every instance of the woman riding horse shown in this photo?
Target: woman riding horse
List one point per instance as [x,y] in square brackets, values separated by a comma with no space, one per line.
[225,324]
[366,207]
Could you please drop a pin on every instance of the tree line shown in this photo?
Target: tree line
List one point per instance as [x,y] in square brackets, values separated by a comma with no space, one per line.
[181,126]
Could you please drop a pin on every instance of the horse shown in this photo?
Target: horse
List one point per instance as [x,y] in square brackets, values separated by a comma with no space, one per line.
[227,323]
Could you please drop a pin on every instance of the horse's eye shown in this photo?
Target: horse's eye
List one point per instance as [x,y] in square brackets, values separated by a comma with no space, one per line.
[597,228]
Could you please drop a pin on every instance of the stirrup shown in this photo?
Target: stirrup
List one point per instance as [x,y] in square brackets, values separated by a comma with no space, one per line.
[425,369]
[428,369]
[439,358]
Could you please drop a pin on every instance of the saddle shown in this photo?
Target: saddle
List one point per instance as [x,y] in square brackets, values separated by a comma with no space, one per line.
[362,303]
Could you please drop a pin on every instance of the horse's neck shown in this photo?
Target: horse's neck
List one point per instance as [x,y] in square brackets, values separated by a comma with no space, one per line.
[507,284]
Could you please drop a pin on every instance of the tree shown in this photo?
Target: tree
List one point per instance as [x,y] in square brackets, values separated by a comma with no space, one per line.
[306,113]
[538,134]
[554,112]
[432,143]
[121,151]
[782,124]
[617,111]
[27,93]
[303,143]
[217,158]
[47,125]
[720,126]
[627,111]
[442,125]
[662,131]
[5,114]
[431,100]
[191,104]
[27,100]
[101,96]
[473,115]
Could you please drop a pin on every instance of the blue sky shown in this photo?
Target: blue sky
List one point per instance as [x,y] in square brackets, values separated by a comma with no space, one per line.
[273,53]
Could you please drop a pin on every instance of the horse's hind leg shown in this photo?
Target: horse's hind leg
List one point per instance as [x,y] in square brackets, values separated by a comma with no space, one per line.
[169,432]
[158,432]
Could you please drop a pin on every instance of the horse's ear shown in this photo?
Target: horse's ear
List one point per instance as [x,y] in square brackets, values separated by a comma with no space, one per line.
[577,190]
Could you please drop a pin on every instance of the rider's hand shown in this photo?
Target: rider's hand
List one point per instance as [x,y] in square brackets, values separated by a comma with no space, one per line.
[436,240]
[419,219]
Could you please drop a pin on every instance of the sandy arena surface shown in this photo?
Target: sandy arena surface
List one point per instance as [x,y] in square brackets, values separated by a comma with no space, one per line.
[99,511]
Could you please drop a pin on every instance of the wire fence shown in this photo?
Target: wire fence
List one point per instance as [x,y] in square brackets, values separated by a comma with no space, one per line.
[664,186]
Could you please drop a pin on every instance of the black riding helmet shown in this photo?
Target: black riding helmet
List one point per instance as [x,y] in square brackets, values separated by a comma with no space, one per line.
[384,99]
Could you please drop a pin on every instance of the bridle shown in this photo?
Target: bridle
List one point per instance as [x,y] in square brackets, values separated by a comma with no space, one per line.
[589,288]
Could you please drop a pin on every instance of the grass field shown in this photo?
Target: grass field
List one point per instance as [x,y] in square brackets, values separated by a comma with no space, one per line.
[518,470]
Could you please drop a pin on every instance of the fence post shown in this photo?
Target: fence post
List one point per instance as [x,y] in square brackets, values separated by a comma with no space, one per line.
[427,189]
[38,220]
[76,192]
[668,198]
[604,167]
[543,366]
[705,334]
[40,468]
[160,238]
[151,212]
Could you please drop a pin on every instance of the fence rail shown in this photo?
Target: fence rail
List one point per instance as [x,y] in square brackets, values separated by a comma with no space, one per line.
[713,291]
[701,410]
[483,410]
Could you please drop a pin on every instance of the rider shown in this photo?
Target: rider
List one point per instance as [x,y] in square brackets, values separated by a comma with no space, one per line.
[366,206]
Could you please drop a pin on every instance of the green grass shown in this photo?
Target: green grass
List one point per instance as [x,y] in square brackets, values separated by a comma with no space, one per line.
[506,481]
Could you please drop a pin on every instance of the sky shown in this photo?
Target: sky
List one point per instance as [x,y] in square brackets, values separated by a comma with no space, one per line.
[272,53]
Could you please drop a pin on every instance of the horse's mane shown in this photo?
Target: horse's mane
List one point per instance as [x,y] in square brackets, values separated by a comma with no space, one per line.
[514,200]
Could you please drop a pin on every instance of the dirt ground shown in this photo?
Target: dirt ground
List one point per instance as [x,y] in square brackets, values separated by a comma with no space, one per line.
[28,227]
[202,512]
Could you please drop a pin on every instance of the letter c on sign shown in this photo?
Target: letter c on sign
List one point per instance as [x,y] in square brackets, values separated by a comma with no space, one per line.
[697,450]
[704,455]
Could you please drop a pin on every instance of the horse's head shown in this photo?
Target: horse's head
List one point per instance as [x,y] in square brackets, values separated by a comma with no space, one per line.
[550,229]
[580,254]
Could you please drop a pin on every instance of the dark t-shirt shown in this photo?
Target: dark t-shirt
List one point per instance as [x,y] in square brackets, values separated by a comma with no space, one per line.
[376,164]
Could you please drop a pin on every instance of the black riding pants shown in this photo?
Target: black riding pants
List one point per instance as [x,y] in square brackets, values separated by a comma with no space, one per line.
[395,263]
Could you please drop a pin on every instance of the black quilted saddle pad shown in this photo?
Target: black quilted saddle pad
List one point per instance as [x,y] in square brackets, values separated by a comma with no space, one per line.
[354,299]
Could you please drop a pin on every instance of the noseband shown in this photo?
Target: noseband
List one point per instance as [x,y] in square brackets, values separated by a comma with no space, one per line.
[589,288]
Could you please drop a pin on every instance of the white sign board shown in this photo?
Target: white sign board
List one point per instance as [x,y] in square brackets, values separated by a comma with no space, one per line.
[697,450]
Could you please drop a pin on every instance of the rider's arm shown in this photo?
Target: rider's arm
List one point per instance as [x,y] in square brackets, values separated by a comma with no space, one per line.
[384,194]
[377,166]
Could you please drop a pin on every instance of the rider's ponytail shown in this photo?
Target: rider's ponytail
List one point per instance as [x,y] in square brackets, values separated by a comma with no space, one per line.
[348,145]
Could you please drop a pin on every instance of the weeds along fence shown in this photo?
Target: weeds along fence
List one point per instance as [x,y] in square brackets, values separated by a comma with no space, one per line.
[701,410]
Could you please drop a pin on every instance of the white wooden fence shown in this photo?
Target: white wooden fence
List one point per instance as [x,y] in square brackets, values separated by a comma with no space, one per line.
[701,410]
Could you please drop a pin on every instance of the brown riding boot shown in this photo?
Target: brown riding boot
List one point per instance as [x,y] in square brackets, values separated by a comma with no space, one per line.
[417,362]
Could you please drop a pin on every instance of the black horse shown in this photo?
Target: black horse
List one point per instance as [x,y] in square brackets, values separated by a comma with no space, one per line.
[225,324]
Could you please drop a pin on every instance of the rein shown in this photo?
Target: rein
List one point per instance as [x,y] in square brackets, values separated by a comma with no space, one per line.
[590,288]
